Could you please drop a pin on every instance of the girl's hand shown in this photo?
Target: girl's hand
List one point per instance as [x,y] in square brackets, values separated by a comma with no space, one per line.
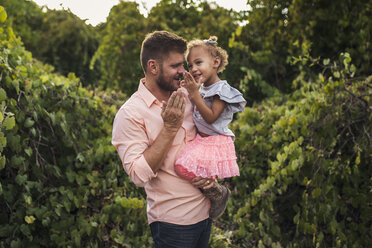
[190,84]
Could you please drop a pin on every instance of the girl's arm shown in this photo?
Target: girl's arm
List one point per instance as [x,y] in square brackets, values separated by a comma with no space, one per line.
[209,114]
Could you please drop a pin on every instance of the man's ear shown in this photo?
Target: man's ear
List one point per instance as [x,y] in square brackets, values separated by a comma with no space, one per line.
[216,62]
[153,66]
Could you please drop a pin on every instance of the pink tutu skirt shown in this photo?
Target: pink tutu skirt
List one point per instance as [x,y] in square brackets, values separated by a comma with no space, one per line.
[212,156]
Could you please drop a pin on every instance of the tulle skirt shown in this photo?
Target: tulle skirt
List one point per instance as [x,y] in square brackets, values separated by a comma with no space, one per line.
[212,156]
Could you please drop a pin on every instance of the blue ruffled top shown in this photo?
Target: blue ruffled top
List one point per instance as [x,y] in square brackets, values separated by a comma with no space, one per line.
[234,103]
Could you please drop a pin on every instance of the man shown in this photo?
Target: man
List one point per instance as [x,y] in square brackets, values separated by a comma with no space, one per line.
[149,131]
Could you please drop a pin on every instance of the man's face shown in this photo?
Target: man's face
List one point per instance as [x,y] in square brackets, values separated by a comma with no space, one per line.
[171,71]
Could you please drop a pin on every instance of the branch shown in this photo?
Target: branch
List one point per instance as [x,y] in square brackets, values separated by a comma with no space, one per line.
[357,97]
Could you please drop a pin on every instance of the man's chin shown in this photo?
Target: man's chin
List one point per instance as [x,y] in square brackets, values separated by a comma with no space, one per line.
[168,87]
[176,85]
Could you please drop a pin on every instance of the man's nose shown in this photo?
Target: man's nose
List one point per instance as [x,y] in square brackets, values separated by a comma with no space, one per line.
[181,70]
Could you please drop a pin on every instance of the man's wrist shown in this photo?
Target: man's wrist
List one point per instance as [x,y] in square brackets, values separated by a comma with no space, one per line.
[170,131]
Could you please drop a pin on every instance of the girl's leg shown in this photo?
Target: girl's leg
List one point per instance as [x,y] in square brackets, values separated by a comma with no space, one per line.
[218,195]
[184,173]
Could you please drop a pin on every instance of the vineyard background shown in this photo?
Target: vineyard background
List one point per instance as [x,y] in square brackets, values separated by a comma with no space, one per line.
[304,141]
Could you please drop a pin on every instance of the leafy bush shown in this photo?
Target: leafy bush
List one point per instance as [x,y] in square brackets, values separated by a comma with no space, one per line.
[62,184]
[305,163]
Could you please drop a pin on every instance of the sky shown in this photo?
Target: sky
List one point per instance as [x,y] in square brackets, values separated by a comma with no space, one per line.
[96,11]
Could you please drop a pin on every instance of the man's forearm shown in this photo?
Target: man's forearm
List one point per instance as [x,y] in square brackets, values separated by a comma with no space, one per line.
[172,114]
[157,152]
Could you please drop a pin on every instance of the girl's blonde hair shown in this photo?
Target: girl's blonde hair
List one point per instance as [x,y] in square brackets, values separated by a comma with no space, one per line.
[211,46]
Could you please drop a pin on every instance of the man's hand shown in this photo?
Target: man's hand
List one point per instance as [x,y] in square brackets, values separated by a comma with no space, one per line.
[204,183]
[172,114]
[173,111]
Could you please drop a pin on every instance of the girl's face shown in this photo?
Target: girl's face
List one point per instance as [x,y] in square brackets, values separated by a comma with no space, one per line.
[202,65]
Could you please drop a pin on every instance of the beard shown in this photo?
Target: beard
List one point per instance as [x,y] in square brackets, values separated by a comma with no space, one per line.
[163,84]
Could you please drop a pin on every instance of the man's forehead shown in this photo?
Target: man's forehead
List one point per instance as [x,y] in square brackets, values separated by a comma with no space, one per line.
[173,57]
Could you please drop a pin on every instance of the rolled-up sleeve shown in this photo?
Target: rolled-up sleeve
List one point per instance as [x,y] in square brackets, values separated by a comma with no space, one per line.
[130,140]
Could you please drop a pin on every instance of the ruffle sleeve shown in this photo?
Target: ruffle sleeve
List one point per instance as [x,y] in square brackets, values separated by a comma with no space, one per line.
[228,94]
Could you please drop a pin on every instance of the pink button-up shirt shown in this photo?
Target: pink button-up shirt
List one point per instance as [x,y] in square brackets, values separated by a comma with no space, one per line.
[136,126]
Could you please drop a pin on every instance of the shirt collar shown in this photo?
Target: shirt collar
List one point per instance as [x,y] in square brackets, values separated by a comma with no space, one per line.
[146,95]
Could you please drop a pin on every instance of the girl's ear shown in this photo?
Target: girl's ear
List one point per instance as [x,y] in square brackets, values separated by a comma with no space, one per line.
[152,66]
[216,62]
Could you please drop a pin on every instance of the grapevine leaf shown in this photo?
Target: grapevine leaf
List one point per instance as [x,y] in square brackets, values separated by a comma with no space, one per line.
[3,14]
[3,95]
[9,123]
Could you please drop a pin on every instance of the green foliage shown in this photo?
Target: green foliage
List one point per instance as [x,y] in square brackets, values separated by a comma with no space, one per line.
[3,14]
[329,26]
[194,19]
[118,53]
[56,37]
[305,163]
[26,18]
[220,238]
[253,87]
[278,30]
[61,181]
[263,44]
[68,44]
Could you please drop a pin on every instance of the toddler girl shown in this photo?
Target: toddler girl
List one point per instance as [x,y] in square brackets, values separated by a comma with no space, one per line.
[212,153]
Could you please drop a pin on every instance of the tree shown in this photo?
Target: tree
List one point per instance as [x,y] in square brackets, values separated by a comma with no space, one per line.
[263,43]
[68,44]
[56,37]
[118,53]
[333,27]
[278,30]
[199,20]
[26,18]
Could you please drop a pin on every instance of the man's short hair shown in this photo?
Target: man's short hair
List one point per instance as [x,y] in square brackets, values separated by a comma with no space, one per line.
[159,44]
